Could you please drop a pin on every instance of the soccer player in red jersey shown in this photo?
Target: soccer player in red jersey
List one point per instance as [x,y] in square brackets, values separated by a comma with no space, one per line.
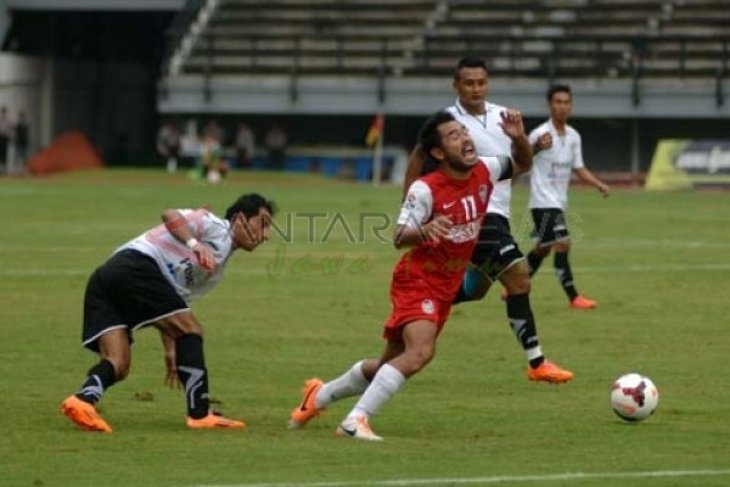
[440,221]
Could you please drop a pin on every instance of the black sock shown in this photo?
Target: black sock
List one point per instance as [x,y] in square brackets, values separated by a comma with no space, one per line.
[565,275]
[100,377]
[522,322]
[534,261]
[193,374]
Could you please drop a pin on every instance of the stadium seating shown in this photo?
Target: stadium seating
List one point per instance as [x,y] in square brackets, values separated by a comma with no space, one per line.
[588,38]
[308,36]
[527,38]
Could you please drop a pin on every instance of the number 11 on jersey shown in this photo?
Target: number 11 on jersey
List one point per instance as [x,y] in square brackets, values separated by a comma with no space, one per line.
[470,207]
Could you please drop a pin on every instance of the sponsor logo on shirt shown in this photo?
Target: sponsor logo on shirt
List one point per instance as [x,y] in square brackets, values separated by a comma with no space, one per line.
[464,232]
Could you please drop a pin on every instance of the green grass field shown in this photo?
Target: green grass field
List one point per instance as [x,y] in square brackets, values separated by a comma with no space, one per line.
[657,263]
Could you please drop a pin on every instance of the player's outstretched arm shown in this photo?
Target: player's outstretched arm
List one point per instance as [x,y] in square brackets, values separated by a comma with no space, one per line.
[416,159]
[177,225]
[587,176]
[513,126]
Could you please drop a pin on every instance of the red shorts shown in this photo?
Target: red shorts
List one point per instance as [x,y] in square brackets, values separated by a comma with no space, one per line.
[414,300]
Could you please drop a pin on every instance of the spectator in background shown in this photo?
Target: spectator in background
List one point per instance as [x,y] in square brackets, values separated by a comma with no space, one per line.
[21,142]
[245,145]
[190,145]
[168,145]
[276,146]
[215,167]
[6,129]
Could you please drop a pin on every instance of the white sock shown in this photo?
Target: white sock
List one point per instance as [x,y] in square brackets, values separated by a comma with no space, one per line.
[385,384]
[351,383]
[533,353]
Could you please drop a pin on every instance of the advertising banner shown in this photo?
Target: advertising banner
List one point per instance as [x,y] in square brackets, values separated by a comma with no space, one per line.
[689,164]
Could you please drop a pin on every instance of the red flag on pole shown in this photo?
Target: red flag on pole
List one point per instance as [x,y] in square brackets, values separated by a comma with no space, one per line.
[376,130]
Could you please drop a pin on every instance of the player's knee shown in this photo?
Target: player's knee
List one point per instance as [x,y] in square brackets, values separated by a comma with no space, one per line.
[517,280]
[369,368]
[181,324]
[420,357]
[562,246]
[543,251]
[519,286]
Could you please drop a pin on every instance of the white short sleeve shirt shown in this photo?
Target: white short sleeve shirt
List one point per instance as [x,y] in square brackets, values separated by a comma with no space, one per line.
[178,263]
[489,140]
[553,168]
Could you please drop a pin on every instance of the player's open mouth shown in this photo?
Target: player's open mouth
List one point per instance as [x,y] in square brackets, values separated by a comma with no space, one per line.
[468,151]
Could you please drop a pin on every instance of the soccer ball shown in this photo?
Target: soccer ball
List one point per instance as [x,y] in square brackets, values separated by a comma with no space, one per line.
[214,177]
[634,397]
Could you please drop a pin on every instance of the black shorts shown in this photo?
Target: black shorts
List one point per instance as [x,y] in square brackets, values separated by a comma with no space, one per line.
[128,291]
[550,226]
[496,250]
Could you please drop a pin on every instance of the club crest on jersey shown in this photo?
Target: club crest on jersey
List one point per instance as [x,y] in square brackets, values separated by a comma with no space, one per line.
[483,193]
[427,306]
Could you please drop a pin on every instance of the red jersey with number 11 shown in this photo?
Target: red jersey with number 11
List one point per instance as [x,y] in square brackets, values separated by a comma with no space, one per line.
[442,264]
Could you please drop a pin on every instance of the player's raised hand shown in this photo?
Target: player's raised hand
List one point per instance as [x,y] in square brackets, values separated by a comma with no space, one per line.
[512,124]
[250,238]
[437,229]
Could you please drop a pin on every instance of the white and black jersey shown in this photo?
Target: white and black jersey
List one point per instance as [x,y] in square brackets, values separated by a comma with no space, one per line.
[177,263]
[552,168]
[489,140]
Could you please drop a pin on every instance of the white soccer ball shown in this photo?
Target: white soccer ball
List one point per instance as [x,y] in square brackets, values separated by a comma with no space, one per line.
[634,397]
[214,177]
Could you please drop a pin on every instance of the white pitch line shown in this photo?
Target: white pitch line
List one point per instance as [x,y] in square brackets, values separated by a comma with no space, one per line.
[498,479]
[725,266]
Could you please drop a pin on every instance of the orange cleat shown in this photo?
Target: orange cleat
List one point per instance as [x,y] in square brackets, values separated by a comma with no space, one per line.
[581,302]
[307,409]
[84,415]
[214,421]
[549,372]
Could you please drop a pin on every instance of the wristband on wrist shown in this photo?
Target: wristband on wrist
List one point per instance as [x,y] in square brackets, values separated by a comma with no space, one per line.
[191,243]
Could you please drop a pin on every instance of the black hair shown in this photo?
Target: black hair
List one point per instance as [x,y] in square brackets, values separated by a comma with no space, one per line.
[469,62]
[250,204]
[429,137]
[558,89]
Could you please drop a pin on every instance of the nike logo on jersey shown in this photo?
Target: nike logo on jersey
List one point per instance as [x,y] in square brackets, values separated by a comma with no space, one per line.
[449,205]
